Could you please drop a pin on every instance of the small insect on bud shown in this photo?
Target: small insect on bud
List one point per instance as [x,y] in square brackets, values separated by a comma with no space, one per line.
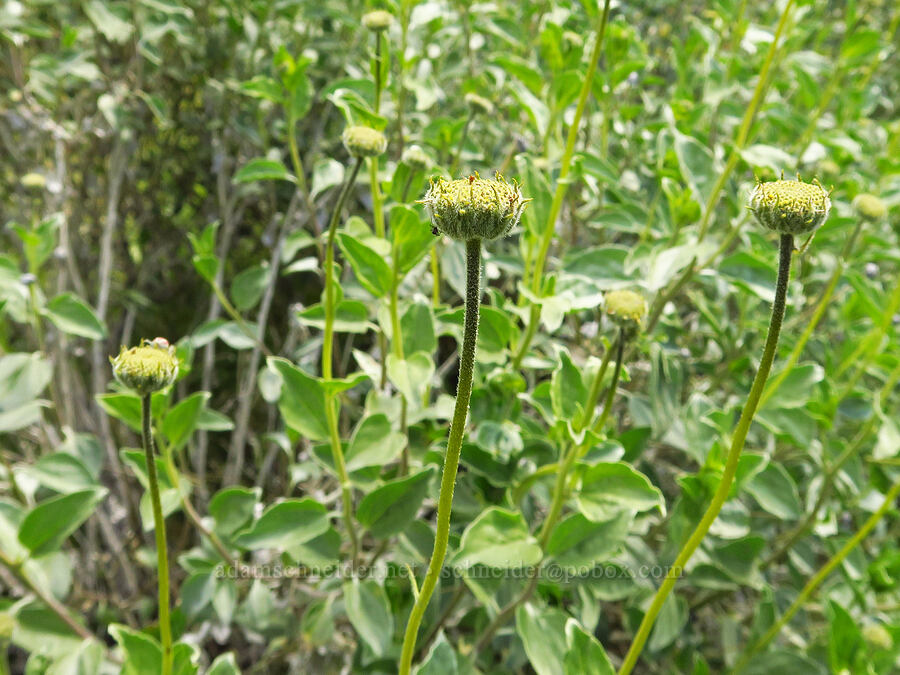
[626,308]
[474,208]
[790,206]
[869,207]
[148,368]
[479,104]
[364,141]
[377,21]
[871,270]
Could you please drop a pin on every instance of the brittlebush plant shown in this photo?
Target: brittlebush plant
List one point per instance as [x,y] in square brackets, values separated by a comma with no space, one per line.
[470,210]
[146,369]
[790,208]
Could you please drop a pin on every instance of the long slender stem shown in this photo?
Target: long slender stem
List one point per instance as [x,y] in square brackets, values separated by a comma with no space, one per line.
[819,577]
[611,392]
[328,338]
[397,349]
[817,315]
[331,401]
[377,202]
[734,453]
[454,446]
[594,392]
[435,277]
[562,185]
[159,530]
[337,452]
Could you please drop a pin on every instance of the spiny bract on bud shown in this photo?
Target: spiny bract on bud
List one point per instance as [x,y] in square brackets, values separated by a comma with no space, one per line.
[364,141]
[870,207]
[474,208]
[416,157]
[790,206]
[148,368]
[377,20]
[626,308]
[479,104]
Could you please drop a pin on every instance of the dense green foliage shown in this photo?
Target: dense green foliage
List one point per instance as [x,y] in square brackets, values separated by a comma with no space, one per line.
[178,170]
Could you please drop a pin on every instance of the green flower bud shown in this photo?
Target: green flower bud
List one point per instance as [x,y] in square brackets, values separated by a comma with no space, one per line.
[416,157]
[378,20]
[870,207]
[572,39]
[151,367]
[877,636]
[479,104]
[626,308]
[829,167]
[33,180]
[790,206]
[474,208]
[364,141]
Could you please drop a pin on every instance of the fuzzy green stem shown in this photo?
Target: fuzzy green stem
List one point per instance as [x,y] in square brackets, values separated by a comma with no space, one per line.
[337,453]
[611,392]
[819,312]
[435,277]
[562,185]
[159,529]
[331,401]
[756,101]
[737,445]
[377,206]
[454,446]
[298,168]
[397,348]
[594,393]
[328,337]
[819,577]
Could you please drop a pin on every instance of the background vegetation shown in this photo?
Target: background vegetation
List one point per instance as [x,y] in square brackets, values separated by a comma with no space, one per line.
[168,170]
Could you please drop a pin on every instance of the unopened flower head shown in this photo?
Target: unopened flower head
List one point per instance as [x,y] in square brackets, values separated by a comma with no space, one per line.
[416,157]
[148,368]
[870,207]
[34,180]
[829,167]
[790,206]
[479,104]
[474,208]
[363,141]
[377,20]
[626,308]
